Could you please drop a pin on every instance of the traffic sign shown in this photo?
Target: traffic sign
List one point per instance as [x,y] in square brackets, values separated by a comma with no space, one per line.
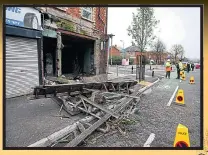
[191,80]
[182,137]
[181,144]
[180,97]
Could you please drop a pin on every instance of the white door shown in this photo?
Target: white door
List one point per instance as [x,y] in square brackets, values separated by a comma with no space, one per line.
[21,66]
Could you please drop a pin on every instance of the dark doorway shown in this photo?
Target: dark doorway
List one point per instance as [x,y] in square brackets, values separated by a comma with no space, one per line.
[77,55]
[49,55]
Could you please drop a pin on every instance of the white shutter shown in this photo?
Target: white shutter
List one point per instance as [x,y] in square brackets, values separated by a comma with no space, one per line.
[21,66]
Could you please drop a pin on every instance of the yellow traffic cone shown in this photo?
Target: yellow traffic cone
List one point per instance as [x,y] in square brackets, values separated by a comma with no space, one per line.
[191,81]
[183,76]
[180,97]
[181,73]
[182,137]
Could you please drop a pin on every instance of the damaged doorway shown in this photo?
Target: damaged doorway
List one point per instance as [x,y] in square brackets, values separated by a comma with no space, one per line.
[49,55]
[77,56]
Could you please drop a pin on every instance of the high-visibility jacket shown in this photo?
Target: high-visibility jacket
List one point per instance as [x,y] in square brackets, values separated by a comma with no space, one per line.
[180,65]
[168,66]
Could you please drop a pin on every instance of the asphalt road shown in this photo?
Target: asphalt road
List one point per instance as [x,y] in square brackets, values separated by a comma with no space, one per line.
[153,116]
[128,69]
[162,120]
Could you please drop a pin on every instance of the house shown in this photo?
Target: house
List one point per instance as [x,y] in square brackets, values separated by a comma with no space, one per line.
[133,51]
[53,41]
[115,51]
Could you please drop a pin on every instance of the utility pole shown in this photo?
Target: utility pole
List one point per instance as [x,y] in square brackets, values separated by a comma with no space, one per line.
[111,36]
[123,48]
[108,56]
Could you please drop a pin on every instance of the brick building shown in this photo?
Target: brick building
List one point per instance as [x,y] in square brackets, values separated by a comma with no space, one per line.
[75,40]
[115,51]
[133,52]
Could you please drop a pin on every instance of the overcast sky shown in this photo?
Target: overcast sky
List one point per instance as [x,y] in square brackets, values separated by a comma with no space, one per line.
[177,26]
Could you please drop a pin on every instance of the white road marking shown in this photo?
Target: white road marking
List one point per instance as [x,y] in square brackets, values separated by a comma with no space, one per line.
[171,99]
[166,87]
[163,87]
[149,140]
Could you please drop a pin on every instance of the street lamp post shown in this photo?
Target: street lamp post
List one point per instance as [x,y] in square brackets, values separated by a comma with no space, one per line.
[111,36]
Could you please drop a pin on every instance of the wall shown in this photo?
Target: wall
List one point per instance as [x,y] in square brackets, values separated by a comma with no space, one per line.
[101,21]
[96,28]
[75,12]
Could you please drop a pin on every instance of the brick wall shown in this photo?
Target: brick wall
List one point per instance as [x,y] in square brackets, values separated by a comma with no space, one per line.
[114,51]
[100,19]
[74,11]
[99,22]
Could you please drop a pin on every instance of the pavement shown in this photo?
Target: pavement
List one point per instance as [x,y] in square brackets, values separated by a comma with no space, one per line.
[158,117]
[28,121]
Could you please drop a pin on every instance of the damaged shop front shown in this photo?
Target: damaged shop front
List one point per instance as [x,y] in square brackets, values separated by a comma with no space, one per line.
[71,50]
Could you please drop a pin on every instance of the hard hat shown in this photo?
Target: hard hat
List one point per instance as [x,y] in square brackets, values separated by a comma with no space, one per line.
[168,60]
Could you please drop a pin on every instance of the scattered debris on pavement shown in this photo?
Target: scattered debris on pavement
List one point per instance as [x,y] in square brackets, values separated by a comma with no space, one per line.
[107,105]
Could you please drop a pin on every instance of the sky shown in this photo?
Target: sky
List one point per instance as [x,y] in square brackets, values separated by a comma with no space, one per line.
[177,25]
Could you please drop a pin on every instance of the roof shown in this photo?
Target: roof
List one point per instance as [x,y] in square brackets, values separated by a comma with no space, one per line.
[132,49]
[118,48]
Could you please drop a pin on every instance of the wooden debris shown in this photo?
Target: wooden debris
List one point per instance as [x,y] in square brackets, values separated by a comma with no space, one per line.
[105,130]
[121,131]
[98,106]
[80,127]
[68,88]
[45,142]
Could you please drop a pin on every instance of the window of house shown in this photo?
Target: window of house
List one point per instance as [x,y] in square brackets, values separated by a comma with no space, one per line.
[87,13]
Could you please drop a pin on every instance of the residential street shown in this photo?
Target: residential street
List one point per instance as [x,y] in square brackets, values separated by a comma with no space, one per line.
[69,82]
[153,115]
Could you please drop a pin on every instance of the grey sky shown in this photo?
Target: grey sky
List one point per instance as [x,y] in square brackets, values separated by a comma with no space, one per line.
[177,26]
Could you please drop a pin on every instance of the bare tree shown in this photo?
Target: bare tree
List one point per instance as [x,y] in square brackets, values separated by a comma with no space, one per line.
[142,27]
[159,48]
[178,51]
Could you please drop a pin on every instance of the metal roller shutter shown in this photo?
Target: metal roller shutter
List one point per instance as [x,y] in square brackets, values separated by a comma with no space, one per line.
[21,66]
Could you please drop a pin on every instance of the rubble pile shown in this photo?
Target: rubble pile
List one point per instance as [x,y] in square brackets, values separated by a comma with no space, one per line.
[106,105]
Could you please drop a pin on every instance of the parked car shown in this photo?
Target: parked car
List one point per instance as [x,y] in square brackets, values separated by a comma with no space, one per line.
[197,66]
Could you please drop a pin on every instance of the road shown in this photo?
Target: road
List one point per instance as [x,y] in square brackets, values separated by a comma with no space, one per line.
[159,70]
[159,117]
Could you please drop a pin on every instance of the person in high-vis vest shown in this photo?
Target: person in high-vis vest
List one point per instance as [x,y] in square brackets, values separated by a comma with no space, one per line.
[181,67]
[168,68]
